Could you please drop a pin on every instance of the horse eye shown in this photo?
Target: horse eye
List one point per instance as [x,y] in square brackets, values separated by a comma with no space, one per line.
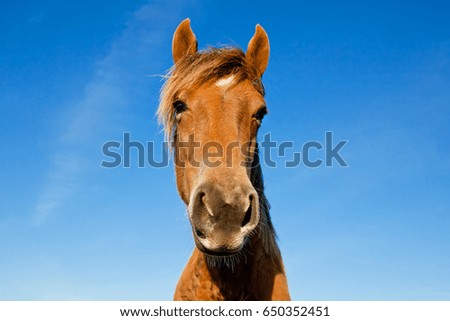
[179,106]
[259,115]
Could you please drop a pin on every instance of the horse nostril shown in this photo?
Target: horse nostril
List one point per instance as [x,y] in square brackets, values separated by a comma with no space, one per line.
[248,214]
[202,198]
[200,234]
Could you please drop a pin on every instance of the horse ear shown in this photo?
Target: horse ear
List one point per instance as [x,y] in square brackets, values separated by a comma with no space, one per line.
[184,42]
[258,50]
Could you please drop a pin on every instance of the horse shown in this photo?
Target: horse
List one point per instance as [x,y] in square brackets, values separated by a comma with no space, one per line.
[211,106]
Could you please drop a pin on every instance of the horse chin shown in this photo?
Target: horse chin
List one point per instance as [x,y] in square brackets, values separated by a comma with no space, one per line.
[224,260]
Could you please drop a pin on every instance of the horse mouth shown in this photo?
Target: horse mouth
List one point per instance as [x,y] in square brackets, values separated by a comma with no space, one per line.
[221,251]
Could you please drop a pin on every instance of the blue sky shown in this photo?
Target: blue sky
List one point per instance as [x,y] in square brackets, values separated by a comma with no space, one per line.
[77,74]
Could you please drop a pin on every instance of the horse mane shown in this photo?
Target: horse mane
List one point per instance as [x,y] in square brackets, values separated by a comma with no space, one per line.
[199,68]
[265,227]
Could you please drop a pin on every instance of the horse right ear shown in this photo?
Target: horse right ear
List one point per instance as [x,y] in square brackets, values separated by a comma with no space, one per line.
[258,50]
[184,42]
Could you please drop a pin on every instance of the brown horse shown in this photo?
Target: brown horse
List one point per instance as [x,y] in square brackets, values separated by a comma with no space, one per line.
[212,105]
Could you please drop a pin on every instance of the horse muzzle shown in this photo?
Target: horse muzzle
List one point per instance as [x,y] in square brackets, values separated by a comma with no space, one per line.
[223,221]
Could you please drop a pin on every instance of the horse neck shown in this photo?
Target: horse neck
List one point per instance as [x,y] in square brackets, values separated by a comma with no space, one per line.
[250,276]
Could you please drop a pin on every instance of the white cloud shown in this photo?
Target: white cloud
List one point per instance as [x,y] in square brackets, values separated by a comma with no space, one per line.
[61,183]
[106,96]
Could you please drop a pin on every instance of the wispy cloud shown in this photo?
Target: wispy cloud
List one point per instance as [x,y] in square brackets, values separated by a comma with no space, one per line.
[132,55]
[61,183]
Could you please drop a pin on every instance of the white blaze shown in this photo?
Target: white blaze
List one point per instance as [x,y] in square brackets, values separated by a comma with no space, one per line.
[223,82]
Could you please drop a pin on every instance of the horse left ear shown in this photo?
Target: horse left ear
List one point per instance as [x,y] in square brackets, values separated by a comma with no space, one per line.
[184,41]
[258,50]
